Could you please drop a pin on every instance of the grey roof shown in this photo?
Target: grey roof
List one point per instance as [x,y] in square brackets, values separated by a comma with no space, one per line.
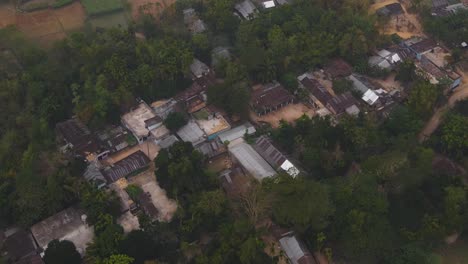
[246,9]
[358,84]
[252,161]
[198,68]
[192,133]
[168,142]
[123,168]
[269,152]
[211,148]
[218,54]
[19,245]
[296,253]
[65,224]
[439,3]
[93,174]
[283,2]
[237,132]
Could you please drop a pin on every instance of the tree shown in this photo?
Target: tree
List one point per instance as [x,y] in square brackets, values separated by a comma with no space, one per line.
[175,121]
[138,245]
[117,259]
[301,203]
[106,243]
[455,206]
[454,136]
[406,72]
[59,252]
[423,97]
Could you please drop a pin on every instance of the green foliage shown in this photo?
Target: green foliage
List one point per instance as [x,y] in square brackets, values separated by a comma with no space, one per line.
[342,85]
[423,98]
[94,7]
[61,3]
[98,202]
[406,72]
[138,245]
[232,97]
[59,252]
[454,136]
[106,243]
[133,191]
[118,259]
[301,203]
[450,29]
[175,121]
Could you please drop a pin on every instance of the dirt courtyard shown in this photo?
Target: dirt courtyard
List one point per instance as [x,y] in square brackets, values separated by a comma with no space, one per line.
[152,7]
[405,25]
[147,181]
[45,26]
[289,113]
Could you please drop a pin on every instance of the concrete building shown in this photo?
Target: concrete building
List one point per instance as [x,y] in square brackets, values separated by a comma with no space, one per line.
[69,224]
[237,133]
[246,9]
[140,121]
[192,133]
[194,24]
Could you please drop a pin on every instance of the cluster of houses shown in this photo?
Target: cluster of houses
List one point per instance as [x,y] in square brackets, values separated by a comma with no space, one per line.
[213,133]
[447,8]
[429,57]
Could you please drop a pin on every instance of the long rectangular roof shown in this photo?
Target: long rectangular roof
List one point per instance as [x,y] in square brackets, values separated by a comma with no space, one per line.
[192,133]
[295,251]
[237,132]
[270,96]
[252,161]
[130,164]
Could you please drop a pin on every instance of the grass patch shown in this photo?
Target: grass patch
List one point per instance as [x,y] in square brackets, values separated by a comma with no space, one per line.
[112,20]
[201,115]
[61,3]
[99,7]
[133,191]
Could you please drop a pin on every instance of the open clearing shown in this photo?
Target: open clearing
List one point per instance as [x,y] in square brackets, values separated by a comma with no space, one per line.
[150,7]
[406,25]
[45,26]
[289,113]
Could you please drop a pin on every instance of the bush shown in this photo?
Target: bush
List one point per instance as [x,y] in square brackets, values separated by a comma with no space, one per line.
[133,191]
[99,7]
[61,3]
[175,120]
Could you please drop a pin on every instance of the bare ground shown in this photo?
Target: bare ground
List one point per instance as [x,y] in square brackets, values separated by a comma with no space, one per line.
[289,113]
[152,7]
[406,25]
[461,93]
[147,181]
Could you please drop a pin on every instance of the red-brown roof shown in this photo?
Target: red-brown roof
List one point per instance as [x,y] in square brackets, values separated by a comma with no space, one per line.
[270,96]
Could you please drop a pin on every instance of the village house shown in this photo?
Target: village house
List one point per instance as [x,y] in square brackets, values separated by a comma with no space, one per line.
[219,54]
[274,157]
[364,87]
[385,59]
[236,133]
[69,224]
[269,98]
[144,123]
[126,167]
[94,175]
[146,204]
[343,103]
[163,108]
[168,142]
[19,247]
[446,8]
[294,249]
[212,149]
[212,123]
[337,68]
[78,138]
[192,133]
[194,24]
[318,94]
[251,161]
[246,9]
[393,9]
[199,69]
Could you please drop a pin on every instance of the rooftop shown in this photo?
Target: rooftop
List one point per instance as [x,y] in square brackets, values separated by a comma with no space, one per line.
[215,123]
[237,132]
[295,251]
[191,132]
[391,10]
[160,132]
[67,224]
[429,67]
[316,89]
[124,167]
[252,161]
[274,157]
[199,69]
[438,56]
[20,245]
[338,68]
[246,9]
[168,142]
[77,134]
[146,203]
[211,148]
[135,120]
[340,103]
[423,45]
[270,96]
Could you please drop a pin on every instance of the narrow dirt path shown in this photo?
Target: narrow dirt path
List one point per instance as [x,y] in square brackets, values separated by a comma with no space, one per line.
[434,122]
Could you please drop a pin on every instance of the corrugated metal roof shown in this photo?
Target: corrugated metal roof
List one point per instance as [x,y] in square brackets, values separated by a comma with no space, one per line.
[294,251]
[237,132]
[252,161]
[130,164]
[192,133]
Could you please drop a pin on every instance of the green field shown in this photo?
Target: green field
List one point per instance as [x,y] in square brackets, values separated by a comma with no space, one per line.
[111,20]
[98,7]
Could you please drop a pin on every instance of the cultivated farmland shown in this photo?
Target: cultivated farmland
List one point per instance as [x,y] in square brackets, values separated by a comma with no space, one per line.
[98,7]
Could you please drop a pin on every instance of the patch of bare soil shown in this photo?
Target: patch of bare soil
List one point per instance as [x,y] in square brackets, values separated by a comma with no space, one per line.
[289,113]
[151,7]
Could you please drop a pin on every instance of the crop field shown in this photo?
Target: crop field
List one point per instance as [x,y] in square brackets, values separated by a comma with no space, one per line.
[150,7]
[115,19]
[98,7]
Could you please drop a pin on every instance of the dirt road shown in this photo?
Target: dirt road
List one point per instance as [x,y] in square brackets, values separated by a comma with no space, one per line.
[437,117]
